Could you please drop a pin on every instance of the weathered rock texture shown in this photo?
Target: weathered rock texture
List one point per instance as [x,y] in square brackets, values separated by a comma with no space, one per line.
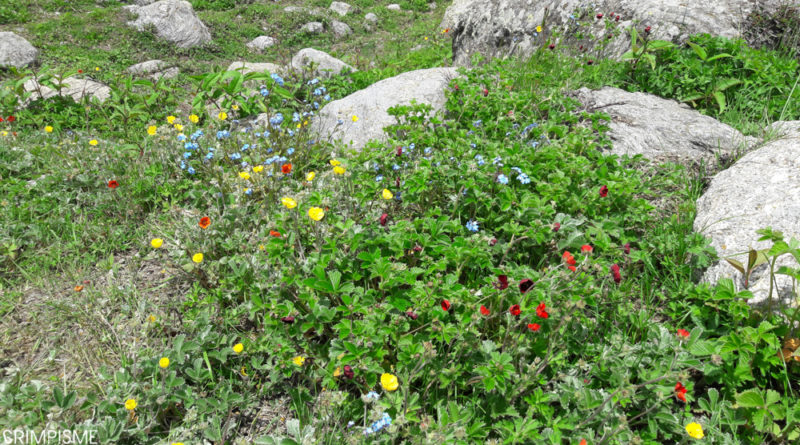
[340,8]
[72,87]
[662,129]
[762,189]
[154,69]
[313,27]
[508,27]
[174,21]
[370,105]
[340,29]
[261,43]
[16,51]
[253,67]
[326,65]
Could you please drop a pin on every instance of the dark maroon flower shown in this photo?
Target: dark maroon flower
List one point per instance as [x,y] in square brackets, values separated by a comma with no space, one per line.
[556,227]
[383,219]
[627,248]
[288,320]
[399,151]
[615,273]
[515,310]
[525,285]
[600,15]
[647,30]
[603,191]
[502,282]
[551,46]
[397,182]
[616,19]
[590,62]
[455,87]
[493,241]
[580,47]
[417,248]
[411,315]
[485,92]
[348,372]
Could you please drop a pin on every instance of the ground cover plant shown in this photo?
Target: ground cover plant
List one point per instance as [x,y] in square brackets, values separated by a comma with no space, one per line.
[490,274]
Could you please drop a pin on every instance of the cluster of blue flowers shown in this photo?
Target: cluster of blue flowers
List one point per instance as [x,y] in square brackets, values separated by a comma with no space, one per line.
[378,425]
[276,120]
[223,134]
[472,225]
[278,79]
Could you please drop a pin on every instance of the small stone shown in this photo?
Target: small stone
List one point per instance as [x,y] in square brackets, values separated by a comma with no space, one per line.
[394,7]
[313,28]
[340,29]
[16,51]
[261,43]
[370,17]
[340,8]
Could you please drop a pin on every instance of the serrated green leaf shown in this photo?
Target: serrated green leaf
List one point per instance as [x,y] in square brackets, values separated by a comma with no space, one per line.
[751,398]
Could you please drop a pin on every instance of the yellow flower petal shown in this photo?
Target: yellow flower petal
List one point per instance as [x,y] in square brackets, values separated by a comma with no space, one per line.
[156,242]
[244,175]
[258,169]
[93,142]
[316,213]
[334,162]
[197,258]
[310,176]
[193,118]
[238,348]
[387,194]
[171,120]
[289,203]
[299,360]
[389,382]
[338,170]
[695,430]
[151,130]
[130,404]
[48,129]
[164,362]
[222,115]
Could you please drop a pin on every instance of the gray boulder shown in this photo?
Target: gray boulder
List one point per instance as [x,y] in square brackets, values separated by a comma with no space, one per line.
[760,190]
[16,51]
[508,27]
[261,43]
[154,69]
[252,67]
[73,87]
[370,105]
[394,7]
[340,8]
[313,28]
[661,129]
[372,18]
[173,20]
[325,64]
[340,29]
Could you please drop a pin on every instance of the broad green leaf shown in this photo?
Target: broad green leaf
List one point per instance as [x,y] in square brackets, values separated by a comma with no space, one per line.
[751,398]
[699,50]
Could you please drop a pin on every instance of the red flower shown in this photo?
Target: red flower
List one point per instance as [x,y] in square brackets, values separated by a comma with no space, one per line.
[397,182]
[80,71]
[551,46]
[399,151]
[582,442]
[11,118]
[485,92]
[417,248]
[493,241]
[1,118]
[616,19]
[204,222]
[288,320]
[568,258]
[112,184]
[600,15]
[572,268]
[683,333]
[556,227]
[515,310]
[275,233]
[586,248]
[680,391]
[647,30]
[603,191]
[502,282]
[541,312]
[383,219]
[411,315]
[590,62]
[286,168]
[485,312]
[615,273]
[534,326]
[525,285]
[627,248]
[445,305]
[348,372]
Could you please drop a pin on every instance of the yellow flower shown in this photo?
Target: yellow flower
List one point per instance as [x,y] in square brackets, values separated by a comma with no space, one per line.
[151,319]
[193,118]
[289,203]
[338,170]
[164,362]
[261,247]
[151,130]
[334,162]
[93,142]
[243,371]
[299,360]
[238,348]
[387,194]
[258,169]
[695,430]
[316,213]
[337,372]
[48,129]
[177,443]
[235,107]
[170,120]
[389,381]
[222,115]
[130,404]
[426,38]
[310,176]
[97,68]
[305,123]
[355,118]
[244,175]
[197,258]
[538,29]
[178,127]
[299,125]
[156,242]
[4,133]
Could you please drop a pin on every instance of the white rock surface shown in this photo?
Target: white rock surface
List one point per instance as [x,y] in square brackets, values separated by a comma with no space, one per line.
[261,43]
[370,105]
[16,51]
[174,21]
[340,8]
[340,29]
[371,18]
[394,7]
[154,69]
[326,65]
[254,67]
[71,86]
[313,28]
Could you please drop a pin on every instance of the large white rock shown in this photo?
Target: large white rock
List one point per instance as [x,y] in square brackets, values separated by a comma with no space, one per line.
[154,69]
[340,29]
[325,64]
[16,51]
[662,129]
[261,43]
[370,105]
[72,87]
[340,8]
[174,21]
[508,27]
[762,189]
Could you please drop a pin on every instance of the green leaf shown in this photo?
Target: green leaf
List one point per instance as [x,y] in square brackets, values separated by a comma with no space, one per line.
[718,56]
[699,50]
[751,398]
[720,98]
